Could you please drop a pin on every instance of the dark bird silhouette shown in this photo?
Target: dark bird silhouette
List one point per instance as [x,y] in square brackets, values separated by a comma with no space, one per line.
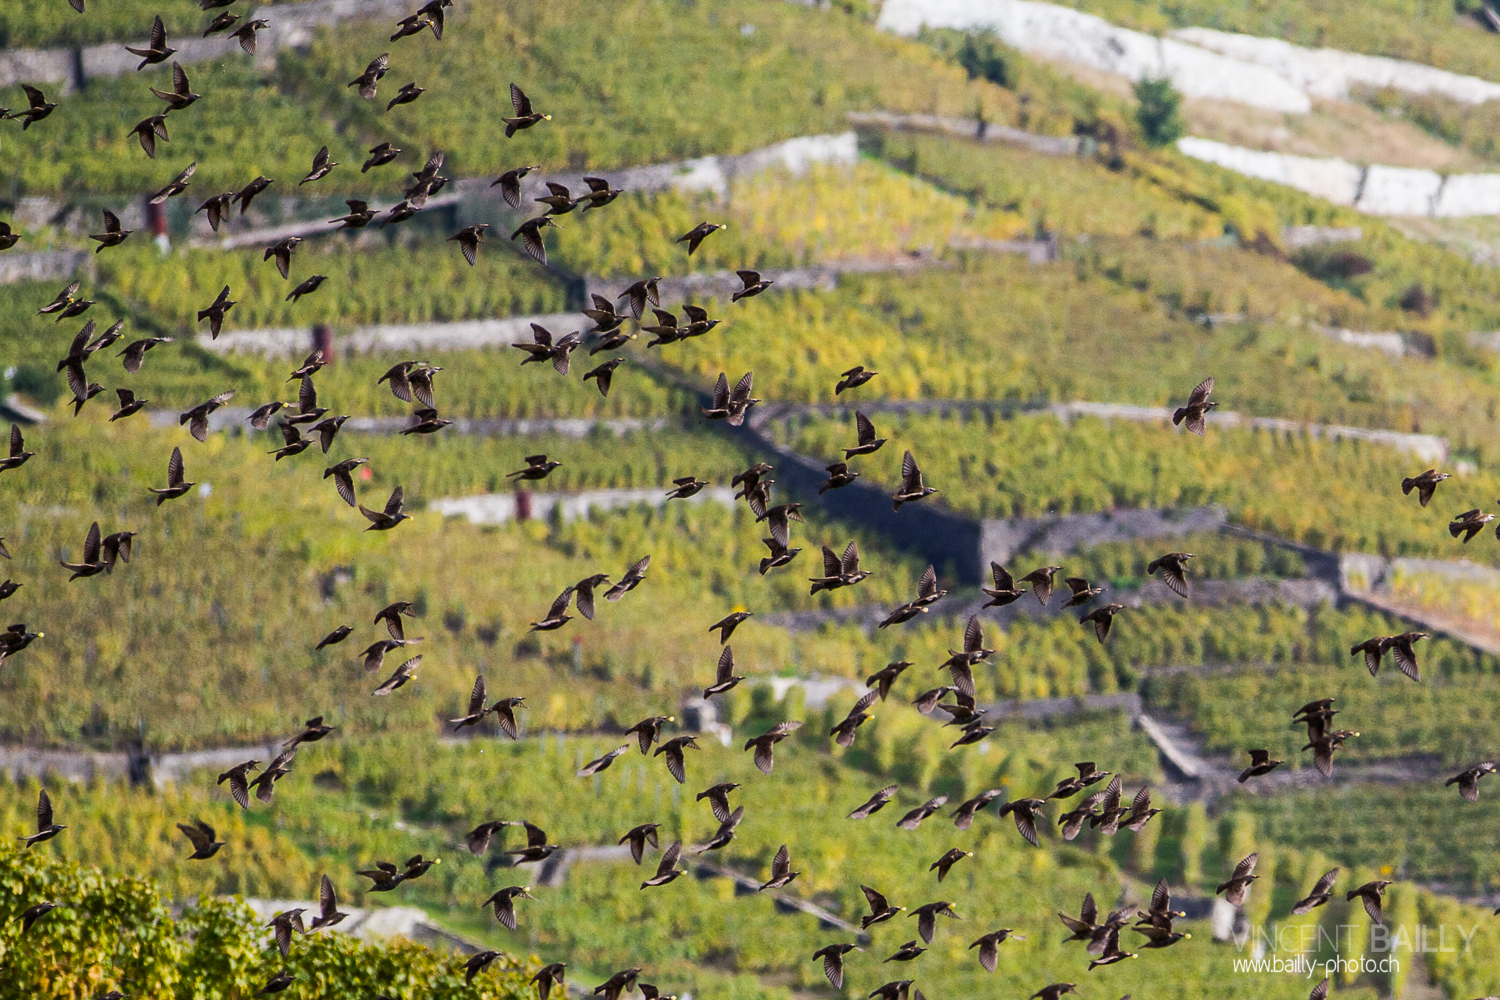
[643,291]
[246,33]
[18,454]
[781,871]
[686,487]
[526,116]
[673,750]
[1082,592]
[405,674]
[1025,811]
[667,870]
[557,615]
[839,570]
[648,731]
[196,418]
[601,763]
[283,925]
[37,107]
[947,861]
[405,95]
[113,235]
[725,833]
[246,194]
[639,837]
[1173,568]
[510,185]
[1195,413]
[216,209]
[536,849]
[875,803]
[989,947]
[33,913]
[468,240]
[328,907]
[476,711]
[613,987]
[157,50]
[1370,894]
[92,564]
[148,130]
[1321,893]
[366,81]
[1102,618]
[599,193]
[181,94]
[296,444]
[477,963]
[1468,781]
[9,587]
[335,637]
[313,730]
[62,300]
[833,962]
[906,953]
[46,829]
[8,237]
[1469,524]
[839,476]
[632,579]
[1238,887]
[914,818]
[765,744]
[963,816]
[306,288]
[843,734]
[548,977]
[868,443]
[223,22]
[391,516]
[560,201]
[882,680]
[1112,953]
[385,877]
[537,467]
[880,909]
[695,236]
[1260,763]
[238,778]
[1425,483]
[215,312]
[544,348]
[927,915]
[283,251]
[729,623]
[203,840]
[718,799]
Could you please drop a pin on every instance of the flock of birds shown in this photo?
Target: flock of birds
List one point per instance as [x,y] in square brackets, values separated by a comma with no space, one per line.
[306,423]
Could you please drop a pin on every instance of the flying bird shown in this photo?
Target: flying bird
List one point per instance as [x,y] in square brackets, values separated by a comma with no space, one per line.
[526,116]
[1195,412]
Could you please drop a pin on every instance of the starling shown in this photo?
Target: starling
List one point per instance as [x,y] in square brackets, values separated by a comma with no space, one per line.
[525,117]
[880,909]
[868,442]
[729,623]
[313,730]
[157,51]
[1025,811]
[833,962]
[725,833]
[148,130]
[989,947]
[1195,412]
[477,711]
[1321,893]
[335,637]
[643,291]
[468,240]
[914,818]
[328,906]
[599,193]
[875,803]
[1370,894]
[246,194]
[725,677]
[667,870]
[18,453]
[246,33]
[754,285]
[839,476]
[367,80]
[695,236]
[639,837]
[718,799]
[947,861]
[202,837]
[404,675]
[537,467]
[1102,619]
[632,579]
[391,516]
[557,615]
[1082,592]
[113,235]
[181,94]
[927,915]
[1260,763]
[510,185]
[1425,483]
[215,312]
[544,348]
[686,487]
[46,829]
[548,977]
[843,734]
[781,870]
[238,778]
[223,22]
[1238,886]
[648,731]
[284,924]
[8,237]
[765,744]
[673,749]
[1468,781]
[603,374]
[92,564]
[560,201]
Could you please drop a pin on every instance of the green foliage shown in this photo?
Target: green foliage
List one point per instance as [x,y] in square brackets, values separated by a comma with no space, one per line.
[41,25]
[1216,556]
[1467,126]
[1158,111]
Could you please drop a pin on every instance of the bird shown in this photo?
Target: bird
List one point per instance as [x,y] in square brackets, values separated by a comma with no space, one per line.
[641,292]
[246,33]
[781,870]
[695,236]
[306,288]
[391,516]
[617,984]
[698,322]
[1140,812]
[391,614]
[419,379]
[725,833]
[632,579]
[726,625]
[406,95]
[87,393]
[548,977]
[989,946]
[404,675]
[780,555]
[379,155]
[367,80]
[238,778]
[1238,887]
[1370,894]
[943,864]
[196,418]
[1321,893]
[686,487]
[839,476]
[1468,781]
[296,444]
[246,194]
[116,547]
[468,240]
[1082,592]
[753,283]
[543,347]
[898,990]
[648,731]
[718,799]
[666,331]
[1173,568]
[216,209]
[963,816]
[91,564]
[313,730]
[283,925]
[46,829]
[181,95]
[18,454]
[915,817]
[907,952]
[536,849]
[833,962]
[203,840]
[328,905]
[560,201]
[1102,618]
[667,870]
[510,185]
[157,49]
[673,749]
[397,376]
[8,236]
[843,734]
[1425,483]
[883,679]
[33,913]
[223,22]
[1260,763]
[639,837]
[385,877]
[537,467]
[113,235]
[1112,953]
[601,763]
[1025,811]
[874,803]
[880,909]
[477,963]
[1196,410]
[37,107]
[526,116]
[927,915]
[335,637]
[599,193]
[839,570]
[215,312]
[1320,991]
[1323,748]
[413,25]
[765,744]
[9,587]
[557,615]
[282,251]
[868,443]
[1469,524]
